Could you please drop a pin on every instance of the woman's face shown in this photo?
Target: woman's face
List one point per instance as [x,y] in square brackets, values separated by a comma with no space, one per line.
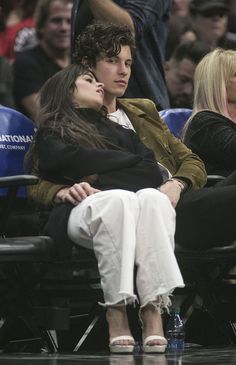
[211,27]
[231,90]
[88,93]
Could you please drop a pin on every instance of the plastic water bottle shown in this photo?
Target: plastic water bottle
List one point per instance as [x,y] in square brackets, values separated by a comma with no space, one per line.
[175,333]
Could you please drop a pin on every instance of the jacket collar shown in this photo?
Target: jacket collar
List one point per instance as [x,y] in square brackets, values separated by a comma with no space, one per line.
[128,107]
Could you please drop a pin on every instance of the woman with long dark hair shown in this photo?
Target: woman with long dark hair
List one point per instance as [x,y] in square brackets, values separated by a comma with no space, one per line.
[121,214]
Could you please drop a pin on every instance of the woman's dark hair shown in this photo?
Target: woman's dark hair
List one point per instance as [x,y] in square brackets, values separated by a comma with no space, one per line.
[102,40]
[59,115]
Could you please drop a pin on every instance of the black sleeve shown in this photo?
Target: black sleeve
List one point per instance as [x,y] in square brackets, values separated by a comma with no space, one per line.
[63,160]
[145,174]
[213,137]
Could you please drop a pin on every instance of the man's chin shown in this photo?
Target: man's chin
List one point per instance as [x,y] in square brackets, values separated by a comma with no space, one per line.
[119,94]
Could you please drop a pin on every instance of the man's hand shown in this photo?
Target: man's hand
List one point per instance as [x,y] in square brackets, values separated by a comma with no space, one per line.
[172,189]
[76,193]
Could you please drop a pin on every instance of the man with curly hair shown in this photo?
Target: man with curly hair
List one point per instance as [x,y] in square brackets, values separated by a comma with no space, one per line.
[148,21]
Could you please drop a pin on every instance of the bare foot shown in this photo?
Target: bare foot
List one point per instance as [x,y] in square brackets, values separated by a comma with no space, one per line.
[118,324]
[152,324]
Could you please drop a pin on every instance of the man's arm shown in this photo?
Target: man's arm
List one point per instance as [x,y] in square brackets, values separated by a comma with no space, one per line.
[107,10]
[46,193]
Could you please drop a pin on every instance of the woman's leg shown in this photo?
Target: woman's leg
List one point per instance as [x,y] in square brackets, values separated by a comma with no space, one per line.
[106,222]
[157,269]
[152,323]
[158,272]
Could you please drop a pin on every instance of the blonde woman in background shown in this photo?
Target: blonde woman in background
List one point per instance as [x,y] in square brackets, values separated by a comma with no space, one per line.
[211,130]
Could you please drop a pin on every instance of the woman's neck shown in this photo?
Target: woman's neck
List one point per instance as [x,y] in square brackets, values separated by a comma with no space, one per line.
[232,111]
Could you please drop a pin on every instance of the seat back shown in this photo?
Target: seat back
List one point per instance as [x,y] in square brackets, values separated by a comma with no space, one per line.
[16,134]
[175,118]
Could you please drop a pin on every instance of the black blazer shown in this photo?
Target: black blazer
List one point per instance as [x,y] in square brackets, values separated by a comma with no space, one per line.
[126,164]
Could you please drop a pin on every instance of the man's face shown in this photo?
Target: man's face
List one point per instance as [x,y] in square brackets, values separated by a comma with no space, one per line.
[179,80]
[56,30]
[114,72]
[211,26]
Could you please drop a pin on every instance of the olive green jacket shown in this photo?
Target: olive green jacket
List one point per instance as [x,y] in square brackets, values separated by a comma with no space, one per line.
[154,133]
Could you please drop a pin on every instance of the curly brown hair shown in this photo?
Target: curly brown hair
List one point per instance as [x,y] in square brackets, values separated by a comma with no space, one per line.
[100,40]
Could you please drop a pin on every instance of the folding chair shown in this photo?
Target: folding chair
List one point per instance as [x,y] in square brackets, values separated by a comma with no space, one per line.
[175,118]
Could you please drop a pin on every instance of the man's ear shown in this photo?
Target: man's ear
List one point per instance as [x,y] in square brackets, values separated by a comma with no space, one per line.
[86,62]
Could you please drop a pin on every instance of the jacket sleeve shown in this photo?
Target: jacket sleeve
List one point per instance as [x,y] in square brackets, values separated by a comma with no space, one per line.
[43,194]
[190,167]
[169,151]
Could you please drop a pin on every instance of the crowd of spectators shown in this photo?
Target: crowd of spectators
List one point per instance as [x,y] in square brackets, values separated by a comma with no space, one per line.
[35,43]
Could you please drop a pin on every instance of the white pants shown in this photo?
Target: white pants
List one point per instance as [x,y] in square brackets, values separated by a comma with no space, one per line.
[127,229]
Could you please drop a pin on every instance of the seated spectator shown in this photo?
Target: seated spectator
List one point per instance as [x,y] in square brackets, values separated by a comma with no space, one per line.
[108,49]
[211,130]
[17,27]
[148,20]
[34,66]
[6,83]
[179,71]
[209,22]
[201,213]
[122,216]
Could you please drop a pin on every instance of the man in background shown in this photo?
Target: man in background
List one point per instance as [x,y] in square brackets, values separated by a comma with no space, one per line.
[33,67]
[179,72]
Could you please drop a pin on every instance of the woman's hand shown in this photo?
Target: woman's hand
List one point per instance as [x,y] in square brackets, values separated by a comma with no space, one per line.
[76,193]
[173,190]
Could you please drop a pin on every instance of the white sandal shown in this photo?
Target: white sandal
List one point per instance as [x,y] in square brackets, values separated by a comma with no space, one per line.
[154,348]
[119,348]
